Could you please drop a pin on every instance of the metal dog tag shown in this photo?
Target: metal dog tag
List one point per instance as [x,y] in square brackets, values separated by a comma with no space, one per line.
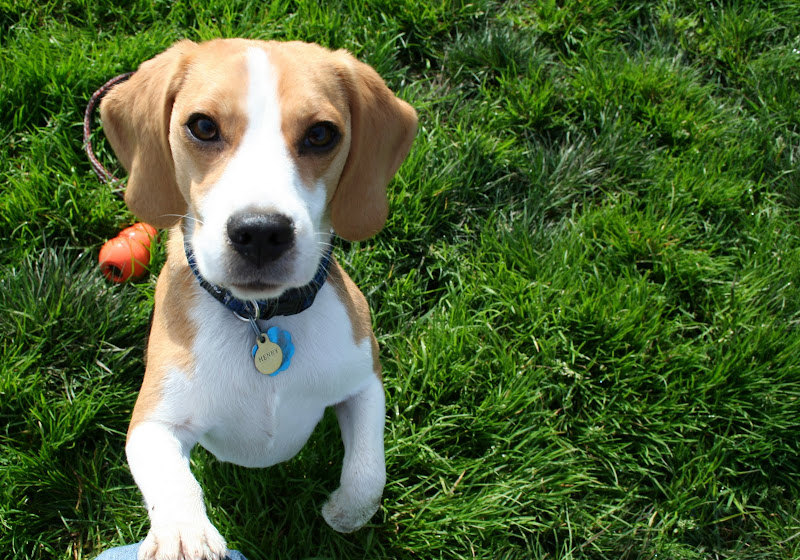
[268,355]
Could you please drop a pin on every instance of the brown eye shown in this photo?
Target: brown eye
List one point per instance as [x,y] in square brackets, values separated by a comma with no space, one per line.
[203,128]
[321,137]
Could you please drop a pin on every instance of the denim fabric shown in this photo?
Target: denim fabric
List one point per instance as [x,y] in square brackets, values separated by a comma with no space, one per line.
[129,553]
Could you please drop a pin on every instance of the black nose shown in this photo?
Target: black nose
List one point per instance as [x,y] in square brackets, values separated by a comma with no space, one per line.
[260,238]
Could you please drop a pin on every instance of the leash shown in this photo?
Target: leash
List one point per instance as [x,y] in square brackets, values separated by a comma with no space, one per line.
[102,173]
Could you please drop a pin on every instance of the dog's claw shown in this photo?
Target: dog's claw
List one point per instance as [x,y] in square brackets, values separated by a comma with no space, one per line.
[181,541]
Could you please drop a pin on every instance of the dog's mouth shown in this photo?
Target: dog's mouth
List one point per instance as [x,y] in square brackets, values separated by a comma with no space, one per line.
[256,290]
[246,281]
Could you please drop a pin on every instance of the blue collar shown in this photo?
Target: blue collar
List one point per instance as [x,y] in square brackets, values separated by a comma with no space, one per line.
[290,302]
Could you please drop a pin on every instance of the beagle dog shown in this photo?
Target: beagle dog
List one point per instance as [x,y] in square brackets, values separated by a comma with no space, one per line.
[254,153]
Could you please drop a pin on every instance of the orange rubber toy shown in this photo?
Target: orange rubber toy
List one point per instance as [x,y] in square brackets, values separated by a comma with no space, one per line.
[126,256]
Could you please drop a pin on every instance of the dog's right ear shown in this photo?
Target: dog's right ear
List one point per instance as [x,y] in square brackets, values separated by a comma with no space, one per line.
[136,116]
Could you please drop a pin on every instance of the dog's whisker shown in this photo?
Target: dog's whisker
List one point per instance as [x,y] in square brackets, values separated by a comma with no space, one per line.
[187,216]
[335,282]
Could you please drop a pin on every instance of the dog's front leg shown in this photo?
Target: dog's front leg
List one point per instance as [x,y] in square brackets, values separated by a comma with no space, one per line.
[361,419]
[158,455]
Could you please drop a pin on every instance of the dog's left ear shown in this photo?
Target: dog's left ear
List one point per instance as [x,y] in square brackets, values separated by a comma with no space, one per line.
[382,130]
[136,119]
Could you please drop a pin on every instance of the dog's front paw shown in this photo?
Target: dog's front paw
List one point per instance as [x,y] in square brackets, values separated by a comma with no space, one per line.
[347,511]
[183,541]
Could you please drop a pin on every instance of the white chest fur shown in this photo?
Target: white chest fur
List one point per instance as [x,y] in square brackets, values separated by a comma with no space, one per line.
[251,419]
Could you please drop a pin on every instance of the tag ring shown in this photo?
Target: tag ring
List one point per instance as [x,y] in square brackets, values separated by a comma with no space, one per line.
[256,312]
[252,319]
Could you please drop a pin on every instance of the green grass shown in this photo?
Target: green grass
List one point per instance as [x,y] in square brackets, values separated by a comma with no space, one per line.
[587,293]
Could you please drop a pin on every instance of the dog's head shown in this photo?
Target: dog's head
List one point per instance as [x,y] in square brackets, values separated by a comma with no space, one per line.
[262,147]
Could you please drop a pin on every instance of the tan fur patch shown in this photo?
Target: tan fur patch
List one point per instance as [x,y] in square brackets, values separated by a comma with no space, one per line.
[317,85]
[383,128]
[310,93]
[215,85]
[172,334]
[136,119]
[357,309]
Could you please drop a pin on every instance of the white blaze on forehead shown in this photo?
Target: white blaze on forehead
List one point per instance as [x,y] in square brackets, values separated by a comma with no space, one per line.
[264,112]
[261,176]
[262,172]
